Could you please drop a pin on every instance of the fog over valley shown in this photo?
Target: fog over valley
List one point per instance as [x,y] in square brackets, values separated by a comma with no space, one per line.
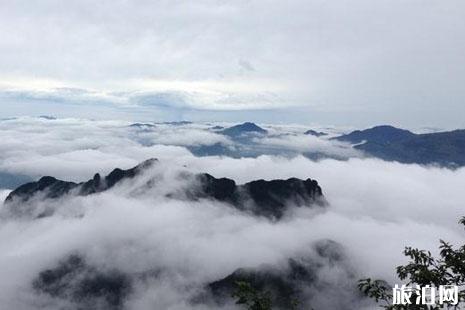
[166,235]
[232,155]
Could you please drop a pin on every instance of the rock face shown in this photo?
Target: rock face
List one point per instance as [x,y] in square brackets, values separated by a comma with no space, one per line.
[74,283]
[298,280]
[83,286]
[50,187]
[264,198]
[282,285]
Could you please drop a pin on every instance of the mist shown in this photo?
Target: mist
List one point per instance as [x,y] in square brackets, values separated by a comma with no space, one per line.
[173,247]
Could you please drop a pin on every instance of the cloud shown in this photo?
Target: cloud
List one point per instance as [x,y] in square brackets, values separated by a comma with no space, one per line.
[246,65]
[311,144]
[75,149]
[333,60]
[375,209]
[167,135]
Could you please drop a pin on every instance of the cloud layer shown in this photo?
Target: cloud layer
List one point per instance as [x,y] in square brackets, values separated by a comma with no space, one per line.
[75,149]
[375,209]
[326,62]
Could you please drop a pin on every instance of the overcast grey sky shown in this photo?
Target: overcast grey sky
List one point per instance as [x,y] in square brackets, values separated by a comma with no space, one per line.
[357,62]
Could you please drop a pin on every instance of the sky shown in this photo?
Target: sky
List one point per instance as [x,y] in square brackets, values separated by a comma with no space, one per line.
[356,63]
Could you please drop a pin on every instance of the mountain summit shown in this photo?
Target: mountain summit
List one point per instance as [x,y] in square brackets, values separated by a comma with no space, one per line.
[261,197]
[244,128]
[378,134]
[394,144]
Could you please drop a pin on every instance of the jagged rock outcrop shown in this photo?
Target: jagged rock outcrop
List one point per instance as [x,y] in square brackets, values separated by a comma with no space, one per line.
[50,187]
[265,198]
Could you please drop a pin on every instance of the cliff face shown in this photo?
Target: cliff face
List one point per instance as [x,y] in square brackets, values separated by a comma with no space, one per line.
[261,197]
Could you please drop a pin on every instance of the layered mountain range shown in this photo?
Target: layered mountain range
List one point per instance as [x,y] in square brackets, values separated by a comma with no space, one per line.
[394,144]
[385,142]
[83,285]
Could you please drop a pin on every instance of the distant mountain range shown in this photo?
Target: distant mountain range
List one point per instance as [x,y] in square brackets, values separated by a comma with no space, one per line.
[446,149]
[11,180]
[394,144]
[241,134]
[385,142]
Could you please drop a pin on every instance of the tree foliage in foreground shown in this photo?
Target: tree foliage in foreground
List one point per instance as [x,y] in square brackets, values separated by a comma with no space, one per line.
[251,298]
[423,269]
[254,299]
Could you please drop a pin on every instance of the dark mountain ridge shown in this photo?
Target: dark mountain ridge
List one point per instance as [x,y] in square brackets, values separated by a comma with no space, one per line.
[52,188]
[296,280]
[441,148]
[378,134]
[83,285]
[265,198]
[394,144]
[242,129]
[315,133]
[301,278]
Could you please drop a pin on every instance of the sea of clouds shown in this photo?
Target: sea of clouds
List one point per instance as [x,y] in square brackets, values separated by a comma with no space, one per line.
[375,209]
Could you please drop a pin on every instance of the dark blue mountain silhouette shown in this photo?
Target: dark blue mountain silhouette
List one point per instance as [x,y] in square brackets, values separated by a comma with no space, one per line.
[284,284]
[442,148]
[265,198]
[379,134]
[244,128]
[12,180]
[312,132]
[394,144]
[142,125]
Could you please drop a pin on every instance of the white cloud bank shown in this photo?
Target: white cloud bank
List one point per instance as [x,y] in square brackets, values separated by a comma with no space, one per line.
[352,61]
[375,209]
[75,149]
